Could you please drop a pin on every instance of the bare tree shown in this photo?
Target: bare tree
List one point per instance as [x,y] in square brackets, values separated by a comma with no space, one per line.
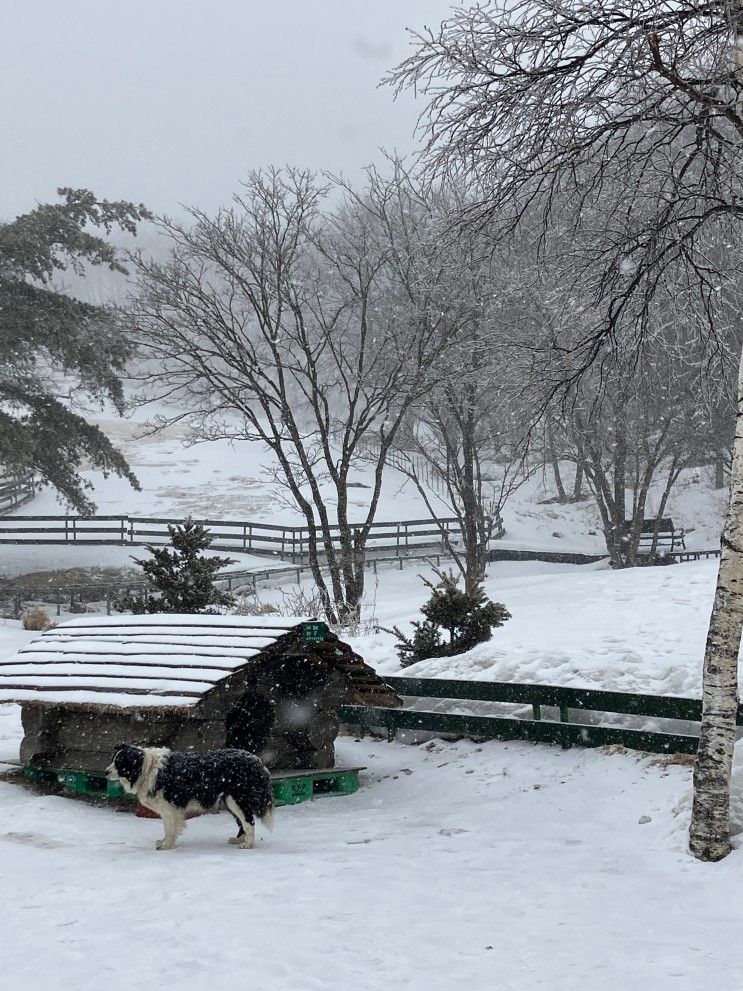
[465,431]
[275,321]
[636,428]
[546,100]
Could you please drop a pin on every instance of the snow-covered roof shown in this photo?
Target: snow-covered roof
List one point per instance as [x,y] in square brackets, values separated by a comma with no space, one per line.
[136,661]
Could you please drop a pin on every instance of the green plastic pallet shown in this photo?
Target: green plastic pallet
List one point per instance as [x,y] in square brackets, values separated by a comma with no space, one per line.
[292,791]
[289,787]
[294,787]
[77,782]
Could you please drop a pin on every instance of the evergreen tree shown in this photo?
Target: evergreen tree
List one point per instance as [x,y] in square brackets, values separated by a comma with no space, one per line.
[467,617]
[56,350]
[183,578]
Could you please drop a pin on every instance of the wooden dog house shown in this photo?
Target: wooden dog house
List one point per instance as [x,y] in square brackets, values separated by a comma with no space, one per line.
[189,682]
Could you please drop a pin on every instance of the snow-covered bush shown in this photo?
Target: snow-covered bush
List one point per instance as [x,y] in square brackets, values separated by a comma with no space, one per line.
[182,578]
[467,618]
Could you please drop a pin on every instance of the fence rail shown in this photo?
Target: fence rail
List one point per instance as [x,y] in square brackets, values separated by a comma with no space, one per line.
[15,492]
[288,542]
[75,597]
[565,730]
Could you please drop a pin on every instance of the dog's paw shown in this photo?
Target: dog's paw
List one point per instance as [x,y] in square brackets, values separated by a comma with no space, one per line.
[244,844]
[235,840]
[164,845]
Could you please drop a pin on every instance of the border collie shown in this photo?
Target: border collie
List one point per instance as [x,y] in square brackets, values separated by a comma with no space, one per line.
[173,784]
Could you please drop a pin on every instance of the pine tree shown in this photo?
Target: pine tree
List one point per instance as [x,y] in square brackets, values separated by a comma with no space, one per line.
[183,578]
[468,617]
[55,349]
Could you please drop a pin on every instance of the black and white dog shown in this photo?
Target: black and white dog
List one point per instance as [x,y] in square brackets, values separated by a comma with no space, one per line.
[173,784]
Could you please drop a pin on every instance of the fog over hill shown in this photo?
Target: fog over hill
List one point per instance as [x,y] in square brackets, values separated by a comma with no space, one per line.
[173,102]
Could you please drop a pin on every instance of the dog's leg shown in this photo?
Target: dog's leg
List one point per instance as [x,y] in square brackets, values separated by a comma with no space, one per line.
[173,823]
[234,840]
[245,839]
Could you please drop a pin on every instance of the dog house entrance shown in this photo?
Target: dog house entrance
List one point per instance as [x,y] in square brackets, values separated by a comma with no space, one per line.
[248,726]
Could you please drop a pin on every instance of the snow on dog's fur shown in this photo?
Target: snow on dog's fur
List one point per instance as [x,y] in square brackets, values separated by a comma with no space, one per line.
[173,784]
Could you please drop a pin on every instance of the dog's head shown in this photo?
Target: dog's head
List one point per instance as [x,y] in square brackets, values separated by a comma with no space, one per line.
[126,766]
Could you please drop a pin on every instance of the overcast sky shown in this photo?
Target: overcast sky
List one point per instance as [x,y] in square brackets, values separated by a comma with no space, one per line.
[171,101]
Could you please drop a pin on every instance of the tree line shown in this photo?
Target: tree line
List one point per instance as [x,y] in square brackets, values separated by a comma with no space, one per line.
[344,327]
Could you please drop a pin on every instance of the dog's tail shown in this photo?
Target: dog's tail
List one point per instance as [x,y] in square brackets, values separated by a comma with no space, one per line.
[269,816]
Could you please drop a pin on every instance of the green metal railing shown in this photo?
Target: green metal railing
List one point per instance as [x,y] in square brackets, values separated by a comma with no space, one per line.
[565,702]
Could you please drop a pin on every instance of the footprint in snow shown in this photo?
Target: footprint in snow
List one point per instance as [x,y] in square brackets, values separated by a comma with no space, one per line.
[32,839]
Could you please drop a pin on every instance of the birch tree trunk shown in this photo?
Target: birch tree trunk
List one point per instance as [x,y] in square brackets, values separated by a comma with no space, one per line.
[709,837]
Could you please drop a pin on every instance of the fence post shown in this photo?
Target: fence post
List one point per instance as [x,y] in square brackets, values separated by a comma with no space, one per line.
[108,601]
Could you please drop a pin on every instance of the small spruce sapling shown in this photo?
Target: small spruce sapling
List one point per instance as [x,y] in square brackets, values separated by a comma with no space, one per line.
[467,618]
[181,576]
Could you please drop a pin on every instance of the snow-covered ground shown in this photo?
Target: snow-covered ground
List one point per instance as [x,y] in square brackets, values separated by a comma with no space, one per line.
[642,629]
[501,866]
[12,637]
[224,480]
[16,559]
[456,866]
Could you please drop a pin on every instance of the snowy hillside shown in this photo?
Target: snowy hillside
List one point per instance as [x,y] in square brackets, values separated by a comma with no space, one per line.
[642,629]
[222,480]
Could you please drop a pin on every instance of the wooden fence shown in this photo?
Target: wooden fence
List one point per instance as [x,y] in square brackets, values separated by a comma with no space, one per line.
[77,597]
[408,462]
[15,492]
[290,543]
[539,725]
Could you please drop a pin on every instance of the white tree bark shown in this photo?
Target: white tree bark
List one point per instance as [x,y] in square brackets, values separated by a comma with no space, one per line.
[709,837]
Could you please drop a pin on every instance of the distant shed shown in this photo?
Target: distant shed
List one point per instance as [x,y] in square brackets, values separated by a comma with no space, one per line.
[188,682]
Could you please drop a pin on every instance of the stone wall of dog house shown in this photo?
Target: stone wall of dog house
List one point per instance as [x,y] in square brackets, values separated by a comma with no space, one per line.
[79,739]
[83,740]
